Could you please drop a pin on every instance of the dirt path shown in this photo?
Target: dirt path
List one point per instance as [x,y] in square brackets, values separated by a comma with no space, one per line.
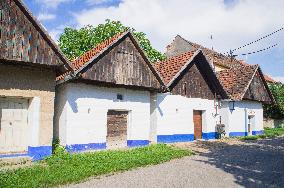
[230,163]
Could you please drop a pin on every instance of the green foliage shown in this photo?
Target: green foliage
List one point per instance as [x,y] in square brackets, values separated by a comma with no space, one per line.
[272,132]
[57,149]
[68,168]
[75,42]
[249,138]
[268,133]
[276,111]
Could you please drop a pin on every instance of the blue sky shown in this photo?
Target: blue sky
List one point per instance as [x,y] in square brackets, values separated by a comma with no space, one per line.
[232,23]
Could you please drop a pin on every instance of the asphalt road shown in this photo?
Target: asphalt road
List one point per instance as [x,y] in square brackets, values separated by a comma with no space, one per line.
[230,163]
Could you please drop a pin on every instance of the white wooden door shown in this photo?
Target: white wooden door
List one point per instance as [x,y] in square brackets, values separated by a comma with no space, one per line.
[13,125]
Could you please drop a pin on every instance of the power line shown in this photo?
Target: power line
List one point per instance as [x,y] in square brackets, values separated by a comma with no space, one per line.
[260,50]
[230,52]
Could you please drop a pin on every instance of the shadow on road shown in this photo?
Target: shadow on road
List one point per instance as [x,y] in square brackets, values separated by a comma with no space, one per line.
[253,163]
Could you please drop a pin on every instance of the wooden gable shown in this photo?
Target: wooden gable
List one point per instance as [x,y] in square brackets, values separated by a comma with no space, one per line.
[23,39]
[198,81]
[122,64]
[257,90]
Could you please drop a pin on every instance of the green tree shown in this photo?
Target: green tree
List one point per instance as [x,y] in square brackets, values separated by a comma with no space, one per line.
[75,42]
[277,110]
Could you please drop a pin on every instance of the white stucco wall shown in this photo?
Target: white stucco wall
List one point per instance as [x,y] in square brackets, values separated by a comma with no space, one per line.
[82,117]
[153,117]
[236,120]
[175,115]
[34,121]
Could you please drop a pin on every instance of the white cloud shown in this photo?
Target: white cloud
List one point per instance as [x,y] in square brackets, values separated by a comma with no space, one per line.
[52,3]
[161,20]
[57,31]
[46,16]
[97,2]
[279,78]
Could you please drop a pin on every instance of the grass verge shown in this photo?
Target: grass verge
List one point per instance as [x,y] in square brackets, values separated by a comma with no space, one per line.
[67,168]
[268,133]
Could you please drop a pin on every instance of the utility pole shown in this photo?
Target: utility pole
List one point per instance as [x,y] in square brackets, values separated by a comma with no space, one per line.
[211,37]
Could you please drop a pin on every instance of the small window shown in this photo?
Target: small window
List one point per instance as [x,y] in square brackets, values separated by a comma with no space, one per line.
[119,97]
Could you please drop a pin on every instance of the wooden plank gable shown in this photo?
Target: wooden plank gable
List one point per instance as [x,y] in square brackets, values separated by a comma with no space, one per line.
[193,84]
[257,90]
[22,39]
[122,64]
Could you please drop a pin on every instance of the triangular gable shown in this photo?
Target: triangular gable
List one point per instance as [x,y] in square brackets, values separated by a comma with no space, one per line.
[179,45]
[246,83]
[190,74]
[236,80]
[117,61]
[258,89]
[23,39]
[198,80]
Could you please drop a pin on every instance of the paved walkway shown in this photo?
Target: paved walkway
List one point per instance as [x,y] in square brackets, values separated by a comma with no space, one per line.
[230,163]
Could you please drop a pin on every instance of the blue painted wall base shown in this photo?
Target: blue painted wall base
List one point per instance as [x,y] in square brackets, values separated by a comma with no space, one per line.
[258,132]
[237,134]
[175,138]
[137,143]
[14,155]
[35,152]
[40,152]
[84,147]
[210,135]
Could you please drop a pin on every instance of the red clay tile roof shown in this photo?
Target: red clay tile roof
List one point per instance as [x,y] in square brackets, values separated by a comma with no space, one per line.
[62,76]
[236,80]
[269,79]
[170,67]
[86,57]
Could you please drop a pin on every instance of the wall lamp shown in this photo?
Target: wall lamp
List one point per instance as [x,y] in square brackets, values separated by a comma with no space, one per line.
[232,105]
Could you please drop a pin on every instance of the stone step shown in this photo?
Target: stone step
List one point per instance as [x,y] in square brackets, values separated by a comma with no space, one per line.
[10,163]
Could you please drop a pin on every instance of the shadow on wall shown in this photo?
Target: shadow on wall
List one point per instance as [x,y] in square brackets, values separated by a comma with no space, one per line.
[253,164]
[26,78]
[102,95]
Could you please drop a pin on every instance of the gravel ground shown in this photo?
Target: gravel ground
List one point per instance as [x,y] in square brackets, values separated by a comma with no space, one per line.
[226,163]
